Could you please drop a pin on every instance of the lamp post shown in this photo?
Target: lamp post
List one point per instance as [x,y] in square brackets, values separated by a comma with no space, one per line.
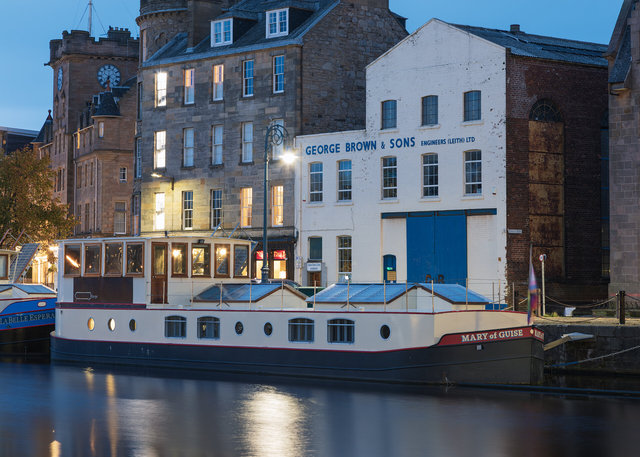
[275,136]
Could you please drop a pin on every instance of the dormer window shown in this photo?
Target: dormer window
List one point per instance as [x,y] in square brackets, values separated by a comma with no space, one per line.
[221,32]
[277,23]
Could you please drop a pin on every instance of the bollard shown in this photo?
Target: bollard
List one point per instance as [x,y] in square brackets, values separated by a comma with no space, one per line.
[622,310]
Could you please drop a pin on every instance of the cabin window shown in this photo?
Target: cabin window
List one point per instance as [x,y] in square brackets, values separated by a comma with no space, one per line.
[179,259]
[340,331]
[240,261]
[135,259]
[72,259]
[222,260]
[113,259]
[209,327]
[200,260]
[92,259]
[175,327]
[301,330]
[4,269]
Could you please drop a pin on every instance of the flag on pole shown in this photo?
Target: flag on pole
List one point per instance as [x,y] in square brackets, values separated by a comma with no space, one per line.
[532,293]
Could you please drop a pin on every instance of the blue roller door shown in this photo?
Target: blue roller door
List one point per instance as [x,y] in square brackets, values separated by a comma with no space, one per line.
[437,246]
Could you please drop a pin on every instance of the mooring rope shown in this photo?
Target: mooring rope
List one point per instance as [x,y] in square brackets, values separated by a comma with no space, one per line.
[594,358]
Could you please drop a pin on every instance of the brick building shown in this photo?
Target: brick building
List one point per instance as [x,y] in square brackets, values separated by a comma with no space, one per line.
[83,67]
[624,88]
[489,147]
[214,76]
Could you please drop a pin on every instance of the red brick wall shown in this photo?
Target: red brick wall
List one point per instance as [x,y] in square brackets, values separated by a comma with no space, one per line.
[580,93]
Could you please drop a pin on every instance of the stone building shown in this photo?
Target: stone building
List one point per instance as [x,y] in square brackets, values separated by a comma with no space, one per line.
[624,161]
[103,162]
[480,145]
[214,76]
[12,139]
[82,67]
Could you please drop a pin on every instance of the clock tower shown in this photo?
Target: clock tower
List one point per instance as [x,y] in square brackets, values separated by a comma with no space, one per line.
[82,67]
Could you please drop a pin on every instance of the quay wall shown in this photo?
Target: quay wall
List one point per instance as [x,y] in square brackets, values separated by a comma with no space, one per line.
[609,339]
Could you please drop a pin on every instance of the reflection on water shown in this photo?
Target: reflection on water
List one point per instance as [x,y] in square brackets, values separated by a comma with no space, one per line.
[59,411]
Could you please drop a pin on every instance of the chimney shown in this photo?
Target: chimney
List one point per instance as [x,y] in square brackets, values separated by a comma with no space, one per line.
[515,28]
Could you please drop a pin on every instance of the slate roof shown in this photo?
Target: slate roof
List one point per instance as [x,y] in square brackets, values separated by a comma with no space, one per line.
[44,136]
[360,293]
[107,105]
[254,37]
[543,47]
[623,61]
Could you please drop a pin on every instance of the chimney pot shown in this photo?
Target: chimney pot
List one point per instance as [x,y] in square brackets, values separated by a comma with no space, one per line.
[515,28]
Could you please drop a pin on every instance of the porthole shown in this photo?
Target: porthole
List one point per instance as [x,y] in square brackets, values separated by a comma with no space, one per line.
[91,324]
[112,324]
[268,328]
[239,328]
[385,331]
[132,325]
[42,304]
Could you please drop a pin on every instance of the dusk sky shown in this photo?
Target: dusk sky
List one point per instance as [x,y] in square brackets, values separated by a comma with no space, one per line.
[26,84]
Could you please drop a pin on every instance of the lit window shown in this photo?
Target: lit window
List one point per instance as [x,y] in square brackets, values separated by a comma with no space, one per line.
[301,330]
[113,259]
[344,180]
[246,202]
[472,111]
[187,147]
[221,259]
[187,210]
[344,258]
[218,82]
[209,327]
[92,259]
[158,221]
[175,327]
[472,173]
[4,266]
[389,177]
[221,32]
[120,218]
[247,142]
[161,88]
[200,260]
[135,259]
[178,259]
[340,331]
[315,182]
[430,175]
[277,149]
[277,23]
[430,110]
[216,208]
[247,78]
[72,259]
[277,206]
[160,156]
[189,86]
[123,174]
[101,129]
[389,114]
[278,74]
[136,215]
[216,144]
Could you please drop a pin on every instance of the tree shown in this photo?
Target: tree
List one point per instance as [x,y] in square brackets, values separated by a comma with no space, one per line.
[26,203]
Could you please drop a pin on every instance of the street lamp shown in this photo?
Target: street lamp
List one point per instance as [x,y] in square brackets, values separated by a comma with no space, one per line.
[275,136]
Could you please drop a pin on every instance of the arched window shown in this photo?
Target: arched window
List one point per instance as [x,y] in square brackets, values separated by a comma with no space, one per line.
[545,111]
[301,329]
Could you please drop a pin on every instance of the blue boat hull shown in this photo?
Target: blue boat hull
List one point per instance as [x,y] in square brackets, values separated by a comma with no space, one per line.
[25,327]
[504,362]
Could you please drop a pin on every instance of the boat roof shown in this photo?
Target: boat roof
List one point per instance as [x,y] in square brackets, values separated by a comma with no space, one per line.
[28,288]
[384,293]
[242,292]
[360,293]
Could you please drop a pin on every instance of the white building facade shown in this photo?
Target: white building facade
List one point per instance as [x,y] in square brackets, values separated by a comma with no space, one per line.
[420,194]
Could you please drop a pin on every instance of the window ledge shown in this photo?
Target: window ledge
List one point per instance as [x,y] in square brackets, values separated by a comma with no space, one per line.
[344,203]
[391,130]
[430,199]
[246,163]
[216,100]
[473,197]
[190,167]
[476,122]
[385,201]
[429,127]
[216,166]
[316,204]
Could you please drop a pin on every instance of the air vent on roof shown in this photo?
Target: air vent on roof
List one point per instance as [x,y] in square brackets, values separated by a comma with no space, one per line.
[515,28]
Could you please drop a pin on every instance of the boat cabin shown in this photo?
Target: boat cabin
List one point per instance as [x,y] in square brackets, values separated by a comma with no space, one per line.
[153,271]
[13,264]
